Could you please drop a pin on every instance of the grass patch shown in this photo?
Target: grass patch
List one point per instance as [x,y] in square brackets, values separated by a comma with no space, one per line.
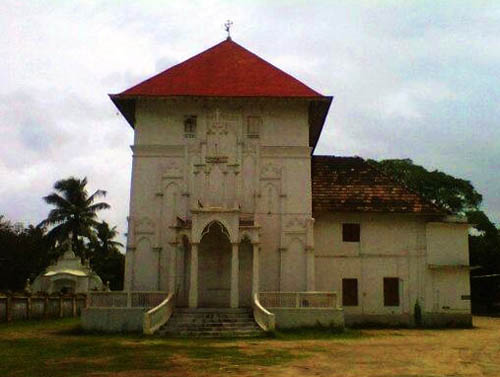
[60,348]
[233,357]
[317,332]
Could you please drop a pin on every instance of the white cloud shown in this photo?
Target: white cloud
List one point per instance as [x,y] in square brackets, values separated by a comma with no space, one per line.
[410,79]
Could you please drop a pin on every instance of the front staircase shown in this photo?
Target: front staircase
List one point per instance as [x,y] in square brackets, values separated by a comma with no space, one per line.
[211,323]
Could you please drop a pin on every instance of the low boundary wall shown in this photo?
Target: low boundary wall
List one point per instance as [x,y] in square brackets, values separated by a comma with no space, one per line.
[19,307]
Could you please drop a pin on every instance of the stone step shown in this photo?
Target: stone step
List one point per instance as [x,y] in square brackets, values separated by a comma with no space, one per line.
[211,322]
[213,310]
[216,315]
[198,321]
[211,327]
[219,325]
[213,334]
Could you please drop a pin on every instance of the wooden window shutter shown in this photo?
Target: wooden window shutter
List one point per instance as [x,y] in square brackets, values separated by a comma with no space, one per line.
[391,291]
[349,292]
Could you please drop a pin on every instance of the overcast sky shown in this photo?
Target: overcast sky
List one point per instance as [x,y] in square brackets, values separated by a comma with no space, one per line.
[417,80]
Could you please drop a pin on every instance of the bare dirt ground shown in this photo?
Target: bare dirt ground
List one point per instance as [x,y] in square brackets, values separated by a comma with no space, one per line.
[403,353]
[378,353]
[54,349]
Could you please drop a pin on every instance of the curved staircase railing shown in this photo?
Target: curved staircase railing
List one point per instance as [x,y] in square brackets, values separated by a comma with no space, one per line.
[265,319]
[159,315]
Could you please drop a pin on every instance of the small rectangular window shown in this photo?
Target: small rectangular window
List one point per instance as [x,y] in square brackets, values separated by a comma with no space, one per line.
[190,126]
[391,291]
[350,232]
[253,126]
[349,292]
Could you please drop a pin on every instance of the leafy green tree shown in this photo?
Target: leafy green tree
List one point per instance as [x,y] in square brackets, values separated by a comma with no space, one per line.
[458,196]
[24,253]
[75,213]
[106,259]
[453,194]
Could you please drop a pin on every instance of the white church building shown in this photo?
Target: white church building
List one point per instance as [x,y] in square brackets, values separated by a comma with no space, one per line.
[230,208]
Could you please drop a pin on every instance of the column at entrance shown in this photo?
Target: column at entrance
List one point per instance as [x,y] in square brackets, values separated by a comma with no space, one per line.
[235,266]
[193,283]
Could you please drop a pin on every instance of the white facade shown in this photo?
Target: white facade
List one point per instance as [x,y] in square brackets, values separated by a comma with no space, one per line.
[255,185]
[231,200]
[430,260]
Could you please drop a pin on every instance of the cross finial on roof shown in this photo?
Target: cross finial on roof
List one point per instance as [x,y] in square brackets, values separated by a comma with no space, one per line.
[227,26]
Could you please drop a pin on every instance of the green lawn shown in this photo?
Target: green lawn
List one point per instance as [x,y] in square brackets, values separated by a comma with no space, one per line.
[60,348]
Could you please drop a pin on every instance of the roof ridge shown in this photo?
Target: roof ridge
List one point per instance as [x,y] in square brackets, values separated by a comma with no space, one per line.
[176,65]
[237,61]
[275,67]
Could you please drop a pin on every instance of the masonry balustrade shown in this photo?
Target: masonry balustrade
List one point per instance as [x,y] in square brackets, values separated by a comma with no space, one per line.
[312,300]
[124,299]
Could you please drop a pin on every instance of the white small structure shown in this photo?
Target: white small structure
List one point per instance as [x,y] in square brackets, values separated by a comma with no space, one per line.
[68,275]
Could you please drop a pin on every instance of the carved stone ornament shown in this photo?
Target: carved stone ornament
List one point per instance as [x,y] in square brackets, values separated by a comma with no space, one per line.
[270,171]
[218,123]
[296,223]
[171,169]
[144,226]
[250,147]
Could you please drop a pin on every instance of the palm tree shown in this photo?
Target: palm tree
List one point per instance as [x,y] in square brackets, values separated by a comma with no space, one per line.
[75,212]
[106,259]
[105,236]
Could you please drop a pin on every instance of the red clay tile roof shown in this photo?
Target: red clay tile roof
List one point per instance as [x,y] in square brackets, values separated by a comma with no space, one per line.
[226,69]
[350,184]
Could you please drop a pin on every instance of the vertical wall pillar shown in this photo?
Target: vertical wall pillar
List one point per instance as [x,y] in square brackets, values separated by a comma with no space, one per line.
[310,270]
[172,264]
[255,270]
[193,286]
[235,267]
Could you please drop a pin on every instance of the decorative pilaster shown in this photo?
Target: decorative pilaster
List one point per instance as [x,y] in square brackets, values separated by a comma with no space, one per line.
[235,266]
[311,281]
[255,270]
[193,286]
[172,263]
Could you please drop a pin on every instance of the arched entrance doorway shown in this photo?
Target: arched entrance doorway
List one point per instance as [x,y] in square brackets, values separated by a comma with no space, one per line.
[214,271]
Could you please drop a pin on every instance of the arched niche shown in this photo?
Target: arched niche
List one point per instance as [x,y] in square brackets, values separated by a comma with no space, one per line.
[294,266]
[172,206]
[270,199]
[145,266]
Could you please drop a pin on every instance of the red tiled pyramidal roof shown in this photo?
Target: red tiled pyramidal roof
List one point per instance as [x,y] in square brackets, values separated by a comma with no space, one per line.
[350,184]
[226,69]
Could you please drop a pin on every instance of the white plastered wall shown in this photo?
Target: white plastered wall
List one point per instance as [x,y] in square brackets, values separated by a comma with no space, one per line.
[267,177]
[393,246]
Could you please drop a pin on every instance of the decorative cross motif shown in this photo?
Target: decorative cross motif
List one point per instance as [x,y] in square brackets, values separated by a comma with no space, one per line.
[227,26]
[218,127]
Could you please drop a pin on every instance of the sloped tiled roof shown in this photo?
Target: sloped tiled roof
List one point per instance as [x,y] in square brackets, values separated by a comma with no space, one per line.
[226,69]
[350,184]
